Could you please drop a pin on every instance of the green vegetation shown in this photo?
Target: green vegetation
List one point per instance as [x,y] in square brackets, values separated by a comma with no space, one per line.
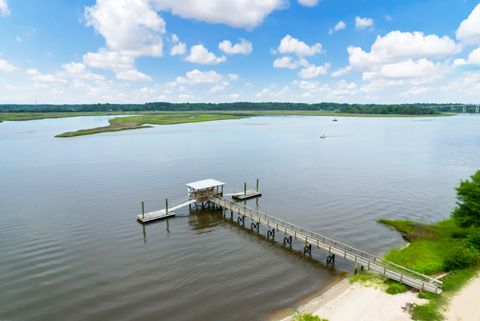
[136,122]
[451,246]
[142,119]
[297,316]
[409,109]
[467,212]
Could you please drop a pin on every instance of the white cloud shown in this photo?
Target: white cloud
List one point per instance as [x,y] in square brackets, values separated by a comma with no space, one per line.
[218,88]
[36,76]
[128,25]
[362,23]
[473,59]
[408,69]
[398,46]
[4,11]
[132,75]
[239,13]
[131,29]
[6,66]
[344,88]
[244,47]
[342,71]
[290,45]
[313,71]
[200,55]
[339,26]
[469,30]
[289,62]
[178,48]
[78,70]
[308,3]
[233,76]
[200,77]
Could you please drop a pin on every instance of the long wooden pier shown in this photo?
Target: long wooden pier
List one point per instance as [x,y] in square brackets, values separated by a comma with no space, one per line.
[334,248]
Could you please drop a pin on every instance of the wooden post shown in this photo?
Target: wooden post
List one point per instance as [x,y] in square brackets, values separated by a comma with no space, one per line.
[245,188]
[166,206]
[257,184]
[143,210]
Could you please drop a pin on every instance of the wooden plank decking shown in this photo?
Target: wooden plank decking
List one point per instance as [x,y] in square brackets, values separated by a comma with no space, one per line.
[368,261]
[251,193]
[162,214]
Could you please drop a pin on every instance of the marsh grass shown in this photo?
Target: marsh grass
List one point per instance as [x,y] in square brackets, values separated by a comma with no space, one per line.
[435,249]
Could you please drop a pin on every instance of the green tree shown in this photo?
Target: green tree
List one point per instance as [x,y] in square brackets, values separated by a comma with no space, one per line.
[467,212]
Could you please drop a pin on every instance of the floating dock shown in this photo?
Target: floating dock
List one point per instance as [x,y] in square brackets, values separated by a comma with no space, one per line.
[162,214]
[251,193]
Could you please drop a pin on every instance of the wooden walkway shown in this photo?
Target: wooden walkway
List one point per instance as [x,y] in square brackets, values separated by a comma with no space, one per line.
[359,258]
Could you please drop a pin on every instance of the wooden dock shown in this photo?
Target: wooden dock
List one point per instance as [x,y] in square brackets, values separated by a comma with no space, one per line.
[337,249]
[163,213]
[251,193]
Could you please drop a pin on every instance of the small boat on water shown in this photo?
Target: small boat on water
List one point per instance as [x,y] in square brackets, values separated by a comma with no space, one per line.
[323,136]
[335,119]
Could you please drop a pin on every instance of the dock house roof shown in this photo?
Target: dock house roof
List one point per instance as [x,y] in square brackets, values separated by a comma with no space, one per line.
[206,183]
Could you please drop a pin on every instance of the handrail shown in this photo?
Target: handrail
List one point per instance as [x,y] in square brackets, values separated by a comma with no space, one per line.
[329,241]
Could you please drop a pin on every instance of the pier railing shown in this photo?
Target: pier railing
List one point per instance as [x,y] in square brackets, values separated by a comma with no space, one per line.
[358,257]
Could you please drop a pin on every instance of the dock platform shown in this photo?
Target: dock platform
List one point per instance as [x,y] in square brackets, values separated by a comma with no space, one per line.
[251,193]
[162,214]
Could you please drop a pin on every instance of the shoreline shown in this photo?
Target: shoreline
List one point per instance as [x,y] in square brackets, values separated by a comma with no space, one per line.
[345,301]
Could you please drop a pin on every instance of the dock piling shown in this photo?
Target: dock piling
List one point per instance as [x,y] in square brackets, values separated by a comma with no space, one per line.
[143,209]
[245,188]
[166,205]
[257,184]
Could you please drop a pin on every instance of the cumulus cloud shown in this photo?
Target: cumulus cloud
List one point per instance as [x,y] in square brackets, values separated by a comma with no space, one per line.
[291,45]
[397,46]
[121,62]
[362,23]
[178,48]
[6,66]
[408,69]
[244,47]
[239,13]
[289,62]
[339,26]
[200,55]
[469,30]
[200,77]
[473,59]
[4,11]
[128,25]
[79,71]
[342,71]
[312,71]
[37,76]
[308,3]
[131,28]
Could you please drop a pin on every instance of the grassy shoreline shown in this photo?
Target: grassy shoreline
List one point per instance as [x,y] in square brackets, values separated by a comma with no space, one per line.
[144,119]
[437,249]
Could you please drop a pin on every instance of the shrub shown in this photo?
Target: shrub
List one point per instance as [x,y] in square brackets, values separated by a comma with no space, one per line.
[394,287]
[306,317]
[461,258]
[473,239]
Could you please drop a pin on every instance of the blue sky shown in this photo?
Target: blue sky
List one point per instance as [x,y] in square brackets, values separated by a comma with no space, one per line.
[124,51]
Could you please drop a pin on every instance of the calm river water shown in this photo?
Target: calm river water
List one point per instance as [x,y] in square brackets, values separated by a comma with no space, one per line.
[72,250]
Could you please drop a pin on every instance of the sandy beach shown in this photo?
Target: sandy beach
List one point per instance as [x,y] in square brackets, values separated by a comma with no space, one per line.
[464,305]
[347,302]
